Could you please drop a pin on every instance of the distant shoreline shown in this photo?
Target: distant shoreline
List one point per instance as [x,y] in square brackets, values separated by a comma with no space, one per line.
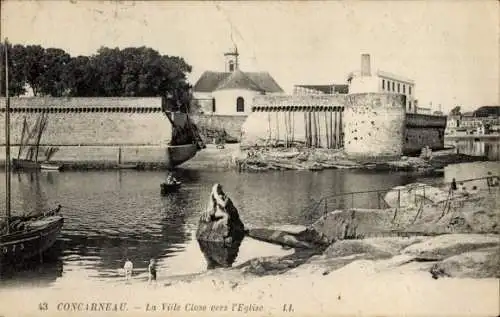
[473,136]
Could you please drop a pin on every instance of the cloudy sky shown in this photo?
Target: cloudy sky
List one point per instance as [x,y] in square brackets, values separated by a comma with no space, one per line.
[450,48]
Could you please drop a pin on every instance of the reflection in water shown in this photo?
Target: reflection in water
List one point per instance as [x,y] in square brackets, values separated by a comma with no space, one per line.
[38,272]
[488,148]
[111,215]
[219,254]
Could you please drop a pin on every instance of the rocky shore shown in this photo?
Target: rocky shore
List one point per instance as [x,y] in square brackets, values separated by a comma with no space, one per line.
[262,159]
[267,159]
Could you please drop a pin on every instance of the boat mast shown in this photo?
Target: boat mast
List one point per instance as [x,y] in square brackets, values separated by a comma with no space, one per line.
[7,138]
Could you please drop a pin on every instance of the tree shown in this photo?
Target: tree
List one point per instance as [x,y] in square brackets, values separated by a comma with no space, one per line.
[53,63]
[32,67]
[455,111]
[109,64]
[80,77]
[17,81]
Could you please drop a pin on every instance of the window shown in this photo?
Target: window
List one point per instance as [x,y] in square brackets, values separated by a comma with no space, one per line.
[213,105]
[409,105]
[409,90]
[404,89]
[398,87]
[240,104]
[231,66]
[393,87]
[383,84]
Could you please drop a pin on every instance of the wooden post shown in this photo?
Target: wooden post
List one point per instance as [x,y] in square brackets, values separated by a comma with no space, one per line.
[326,131]
[119,155]
[399,198]
[335,130]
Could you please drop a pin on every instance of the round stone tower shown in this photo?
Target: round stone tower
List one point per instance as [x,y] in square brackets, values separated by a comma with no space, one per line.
[374,124]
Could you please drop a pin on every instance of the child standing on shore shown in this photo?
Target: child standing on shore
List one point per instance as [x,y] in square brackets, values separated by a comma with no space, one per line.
[152,271]
[128,268]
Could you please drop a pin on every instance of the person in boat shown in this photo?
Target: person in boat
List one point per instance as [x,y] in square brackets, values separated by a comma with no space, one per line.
[128,268]
[171,179]
[221,208]
[152,271]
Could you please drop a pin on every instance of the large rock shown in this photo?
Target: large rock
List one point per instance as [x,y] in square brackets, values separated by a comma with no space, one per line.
[294,237]
[482,263]
[371,248]
[220,225]
[353,223]
[444,246]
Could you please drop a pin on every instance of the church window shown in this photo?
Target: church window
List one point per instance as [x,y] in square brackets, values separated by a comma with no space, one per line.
[240,104]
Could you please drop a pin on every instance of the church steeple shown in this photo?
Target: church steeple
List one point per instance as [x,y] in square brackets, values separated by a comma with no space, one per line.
[231,60]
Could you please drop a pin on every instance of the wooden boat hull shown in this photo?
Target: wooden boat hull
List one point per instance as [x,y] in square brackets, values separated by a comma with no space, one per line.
[169,188]
[20,246]
[178,154]
[20,164]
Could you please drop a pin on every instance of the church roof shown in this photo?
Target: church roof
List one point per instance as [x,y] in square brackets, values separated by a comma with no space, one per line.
[258,81]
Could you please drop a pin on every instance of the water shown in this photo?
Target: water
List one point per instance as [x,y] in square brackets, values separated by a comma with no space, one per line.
[113,215]
[489,148]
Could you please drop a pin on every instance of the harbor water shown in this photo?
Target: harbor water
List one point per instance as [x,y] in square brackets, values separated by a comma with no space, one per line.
[114,215]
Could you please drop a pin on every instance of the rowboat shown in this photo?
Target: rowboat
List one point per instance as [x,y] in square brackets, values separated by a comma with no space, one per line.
[169,187]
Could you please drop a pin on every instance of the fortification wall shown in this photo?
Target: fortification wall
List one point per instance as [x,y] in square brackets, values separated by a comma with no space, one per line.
[93,129]
[423,130]
[308,119]
[374,124]
[209,124]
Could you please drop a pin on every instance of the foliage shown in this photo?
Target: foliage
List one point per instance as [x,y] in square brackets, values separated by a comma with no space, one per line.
[111,72]
[455,111]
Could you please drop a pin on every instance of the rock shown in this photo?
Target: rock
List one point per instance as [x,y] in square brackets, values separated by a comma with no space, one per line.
[275,265]
[444,246]
[372,248]
[306,238]
[482,263]
[353,223]
[220,224]
[356,247]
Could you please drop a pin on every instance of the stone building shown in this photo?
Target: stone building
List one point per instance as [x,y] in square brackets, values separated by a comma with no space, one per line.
[382,82]
[231,92]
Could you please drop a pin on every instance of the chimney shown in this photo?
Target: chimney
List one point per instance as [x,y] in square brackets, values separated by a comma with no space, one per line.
[365,65]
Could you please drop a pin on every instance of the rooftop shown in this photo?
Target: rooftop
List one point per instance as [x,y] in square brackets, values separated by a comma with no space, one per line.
[211,81]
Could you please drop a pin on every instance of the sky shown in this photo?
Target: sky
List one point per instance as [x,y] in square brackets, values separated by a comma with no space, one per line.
[449,48]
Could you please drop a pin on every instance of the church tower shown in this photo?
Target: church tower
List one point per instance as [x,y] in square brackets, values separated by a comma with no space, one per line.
[231,60]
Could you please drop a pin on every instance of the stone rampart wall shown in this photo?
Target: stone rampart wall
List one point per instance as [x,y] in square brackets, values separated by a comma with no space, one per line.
[209,124]
[94,129]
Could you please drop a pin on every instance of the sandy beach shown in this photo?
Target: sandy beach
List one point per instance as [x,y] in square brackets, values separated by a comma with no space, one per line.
[362,288]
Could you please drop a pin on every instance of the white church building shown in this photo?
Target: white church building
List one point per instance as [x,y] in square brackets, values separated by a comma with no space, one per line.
[231,92]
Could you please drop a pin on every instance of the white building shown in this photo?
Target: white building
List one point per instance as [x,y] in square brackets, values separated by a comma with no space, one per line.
[231,92]
[380,81]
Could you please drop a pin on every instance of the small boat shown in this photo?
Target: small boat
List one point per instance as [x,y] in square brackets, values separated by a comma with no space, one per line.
[128,166]
[169,187]
[50,166]
[24,164]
